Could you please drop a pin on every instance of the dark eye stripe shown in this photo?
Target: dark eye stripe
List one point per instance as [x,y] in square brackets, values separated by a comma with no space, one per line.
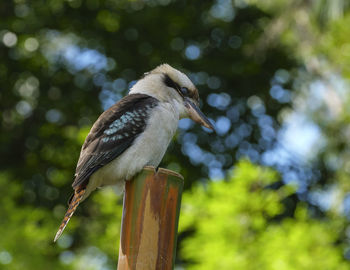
[170,83]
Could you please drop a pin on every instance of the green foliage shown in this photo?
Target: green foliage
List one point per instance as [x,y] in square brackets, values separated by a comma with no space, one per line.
[237,225]
[27,232]
[336,45]
[49,101]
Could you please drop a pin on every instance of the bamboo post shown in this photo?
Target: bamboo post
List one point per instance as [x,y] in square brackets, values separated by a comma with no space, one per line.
[151,210]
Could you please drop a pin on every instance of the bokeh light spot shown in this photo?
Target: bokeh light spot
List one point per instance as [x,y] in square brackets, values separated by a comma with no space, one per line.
[9,39]
[5,257]
[192,52]
[31,44]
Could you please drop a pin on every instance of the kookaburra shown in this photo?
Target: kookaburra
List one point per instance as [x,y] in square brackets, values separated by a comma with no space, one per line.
[135,132]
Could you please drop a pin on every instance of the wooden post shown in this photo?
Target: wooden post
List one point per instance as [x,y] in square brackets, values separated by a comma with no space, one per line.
[150,220]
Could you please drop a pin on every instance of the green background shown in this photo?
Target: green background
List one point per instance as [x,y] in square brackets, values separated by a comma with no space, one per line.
[258,193]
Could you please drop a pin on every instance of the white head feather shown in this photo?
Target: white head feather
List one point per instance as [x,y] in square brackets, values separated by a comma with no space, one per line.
[153,84]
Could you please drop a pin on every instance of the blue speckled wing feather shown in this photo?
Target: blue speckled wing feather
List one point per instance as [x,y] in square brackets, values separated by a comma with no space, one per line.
[113,132]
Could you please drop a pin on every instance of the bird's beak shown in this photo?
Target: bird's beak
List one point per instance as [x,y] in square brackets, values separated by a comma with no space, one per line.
[196,115]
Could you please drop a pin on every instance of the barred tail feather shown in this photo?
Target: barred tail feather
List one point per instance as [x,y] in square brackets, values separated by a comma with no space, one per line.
[73,204]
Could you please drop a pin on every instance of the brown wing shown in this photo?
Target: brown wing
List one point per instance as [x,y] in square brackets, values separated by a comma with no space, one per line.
[113,132]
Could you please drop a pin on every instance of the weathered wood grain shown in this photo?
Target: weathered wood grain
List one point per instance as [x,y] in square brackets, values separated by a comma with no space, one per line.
[150,220]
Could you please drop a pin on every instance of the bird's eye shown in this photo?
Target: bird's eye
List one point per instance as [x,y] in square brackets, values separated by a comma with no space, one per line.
[184,91]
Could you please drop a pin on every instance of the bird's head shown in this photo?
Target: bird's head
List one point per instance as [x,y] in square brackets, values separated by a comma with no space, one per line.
[168,84]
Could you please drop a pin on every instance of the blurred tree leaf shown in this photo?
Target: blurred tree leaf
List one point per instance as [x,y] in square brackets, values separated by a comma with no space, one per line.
[64,62]
[235,226]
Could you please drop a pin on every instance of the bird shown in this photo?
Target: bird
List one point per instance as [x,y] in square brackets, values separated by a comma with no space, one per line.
[134,133]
